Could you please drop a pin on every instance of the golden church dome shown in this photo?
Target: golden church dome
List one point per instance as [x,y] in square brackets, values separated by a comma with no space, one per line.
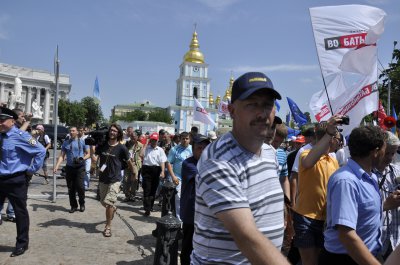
[194,55]
[211,99]
[217,100]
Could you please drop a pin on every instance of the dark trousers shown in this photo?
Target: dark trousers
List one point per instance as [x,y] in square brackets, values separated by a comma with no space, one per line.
[17,193]
[75,181]
[329,258]
[151,179]
[187,243]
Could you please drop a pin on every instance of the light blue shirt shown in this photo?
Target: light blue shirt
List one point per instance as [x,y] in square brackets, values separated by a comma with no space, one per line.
[73,148]
[354,201]
[21,152]
[176,156]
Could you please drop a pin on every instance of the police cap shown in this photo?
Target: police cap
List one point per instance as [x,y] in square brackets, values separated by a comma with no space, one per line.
[6,113]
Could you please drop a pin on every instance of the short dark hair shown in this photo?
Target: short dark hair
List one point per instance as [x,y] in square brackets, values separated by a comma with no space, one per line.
[120,132]
[194,129]
[184,135]
[365,139]
[320,130]
[18,111]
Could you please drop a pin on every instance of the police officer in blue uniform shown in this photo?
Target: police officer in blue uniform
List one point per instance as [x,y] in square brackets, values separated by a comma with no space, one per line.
[20,157]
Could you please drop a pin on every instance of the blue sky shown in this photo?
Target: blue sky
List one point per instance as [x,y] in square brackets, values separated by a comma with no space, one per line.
[135,47]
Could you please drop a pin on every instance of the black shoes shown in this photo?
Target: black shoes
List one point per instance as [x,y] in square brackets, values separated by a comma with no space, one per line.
[18,251]
[10,219]
[147,213]
[73,210]
[82,208]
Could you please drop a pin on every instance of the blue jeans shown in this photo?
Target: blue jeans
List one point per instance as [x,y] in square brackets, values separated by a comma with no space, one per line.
[9,210]
[88,163]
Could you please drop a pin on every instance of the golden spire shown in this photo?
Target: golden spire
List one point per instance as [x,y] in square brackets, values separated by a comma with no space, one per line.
[217,100]
[194,55]
[228,91]
[211,99]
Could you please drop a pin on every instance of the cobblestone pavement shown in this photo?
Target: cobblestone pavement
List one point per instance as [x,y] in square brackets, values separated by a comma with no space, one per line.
[58,237]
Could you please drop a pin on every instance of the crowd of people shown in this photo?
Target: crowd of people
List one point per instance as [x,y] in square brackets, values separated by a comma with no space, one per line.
[248,196]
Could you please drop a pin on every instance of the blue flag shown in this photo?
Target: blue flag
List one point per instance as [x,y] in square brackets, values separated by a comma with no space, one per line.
[96,89]
[298,116]
[278,106]
[292,132]
[288,118]
[394,115]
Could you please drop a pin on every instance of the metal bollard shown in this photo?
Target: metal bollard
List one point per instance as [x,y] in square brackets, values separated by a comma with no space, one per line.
[167,231]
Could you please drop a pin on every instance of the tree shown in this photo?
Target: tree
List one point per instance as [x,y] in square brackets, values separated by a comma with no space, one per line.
[93,111]
[393,71]
[308,115]
[71,113]
[160,115]
[63,108]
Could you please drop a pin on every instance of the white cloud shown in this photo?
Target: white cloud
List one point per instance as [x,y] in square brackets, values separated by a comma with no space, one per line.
[277,68]
[3,32]
[218,5]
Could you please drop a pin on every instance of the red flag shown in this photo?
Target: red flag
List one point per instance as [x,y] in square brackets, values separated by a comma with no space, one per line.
[381,115]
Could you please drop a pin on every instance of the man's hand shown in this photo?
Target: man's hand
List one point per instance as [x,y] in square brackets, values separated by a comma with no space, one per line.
[392,201]
[175,180]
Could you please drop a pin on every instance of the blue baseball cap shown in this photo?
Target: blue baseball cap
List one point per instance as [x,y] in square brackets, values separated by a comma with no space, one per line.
[251,82]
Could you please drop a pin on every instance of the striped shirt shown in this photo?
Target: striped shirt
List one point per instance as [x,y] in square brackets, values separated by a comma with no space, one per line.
[282,162]
[390,218]
[230,178]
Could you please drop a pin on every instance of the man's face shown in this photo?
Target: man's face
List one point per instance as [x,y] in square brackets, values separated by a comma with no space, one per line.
[129,131]
[334,143]
[134,137]
[379,156]
[277,141]
[113,133]
[73,132]
[254,115]
[163,137]
[270,134]
[185,141]
[153,143]
[21,118]
[6,124]
[198,149]
[81,132]
[388,156]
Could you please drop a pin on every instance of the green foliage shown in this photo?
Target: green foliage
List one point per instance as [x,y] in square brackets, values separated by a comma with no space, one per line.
[393,71]
[83,113]
[93,109]
[160,115]
[308,115]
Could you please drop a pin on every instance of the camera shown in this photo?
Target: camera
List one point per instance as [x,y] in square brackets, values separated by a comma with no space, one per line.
[345,120]
[77,160]
[97,137]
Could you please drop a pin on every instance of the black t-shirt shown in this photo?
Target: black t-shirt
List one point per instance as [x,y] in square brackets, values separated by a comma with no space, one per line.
[290,160]
[115,158]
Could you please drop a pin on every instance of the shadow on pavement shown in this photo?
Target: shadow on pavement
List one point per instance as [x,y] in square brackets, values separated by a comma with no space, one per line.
[50,208]
[6,249]
[88,227]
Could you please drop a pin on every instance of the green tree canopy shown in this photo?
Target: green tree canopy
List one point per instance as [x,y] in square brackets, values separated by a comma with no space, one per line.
[160,115]
[93,111]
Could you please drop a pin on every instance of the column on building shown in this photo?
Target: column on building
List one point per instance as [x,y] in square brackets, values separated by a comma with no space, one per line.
[38,95]
[28,103]
[2,86]
[46,114]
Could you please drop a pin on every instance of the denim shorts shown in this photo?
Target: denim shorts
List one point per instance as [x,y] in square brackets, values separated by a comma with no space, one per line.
[309,232]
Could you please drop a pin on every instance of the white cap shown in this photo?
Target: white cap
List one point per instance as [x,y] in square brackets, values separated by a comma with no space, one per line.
[212,135]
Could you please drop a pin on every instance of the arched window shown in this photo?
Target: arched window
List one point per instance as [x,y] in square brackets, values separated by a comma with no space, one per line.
[195,91]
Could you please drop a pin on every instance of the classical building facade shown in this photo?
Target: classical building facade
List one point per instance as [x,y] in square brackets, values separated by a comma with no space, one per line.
[31,90]
[193,82]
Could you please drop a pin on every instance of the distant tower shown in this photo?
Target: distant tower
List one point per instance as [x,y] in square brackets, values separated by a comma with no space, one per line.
[193,81]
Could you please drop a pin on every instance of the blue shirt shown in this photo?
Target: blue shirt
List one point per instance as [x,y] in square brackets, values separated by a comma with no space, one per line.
[74,148]
[21,152]
[176,156]
[282,160]
[188,192]
[353,201]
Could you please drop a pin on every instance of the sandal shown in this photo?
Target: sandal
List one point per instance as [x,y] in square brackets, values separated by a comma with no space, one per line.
[107,232]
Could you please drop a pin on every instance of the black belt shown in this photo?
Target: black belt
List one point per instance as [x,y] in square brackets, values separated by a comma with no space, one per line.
[150,166]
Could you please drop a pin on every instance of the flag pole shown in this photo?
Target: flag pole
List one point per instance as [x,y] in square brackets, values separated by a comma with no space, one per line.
[55,122]
[319,62]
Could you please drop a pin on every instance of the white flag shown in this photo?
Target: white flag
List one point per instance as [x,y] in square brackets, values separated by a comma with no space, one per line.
[346,38]
[200,114]
[223,108]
